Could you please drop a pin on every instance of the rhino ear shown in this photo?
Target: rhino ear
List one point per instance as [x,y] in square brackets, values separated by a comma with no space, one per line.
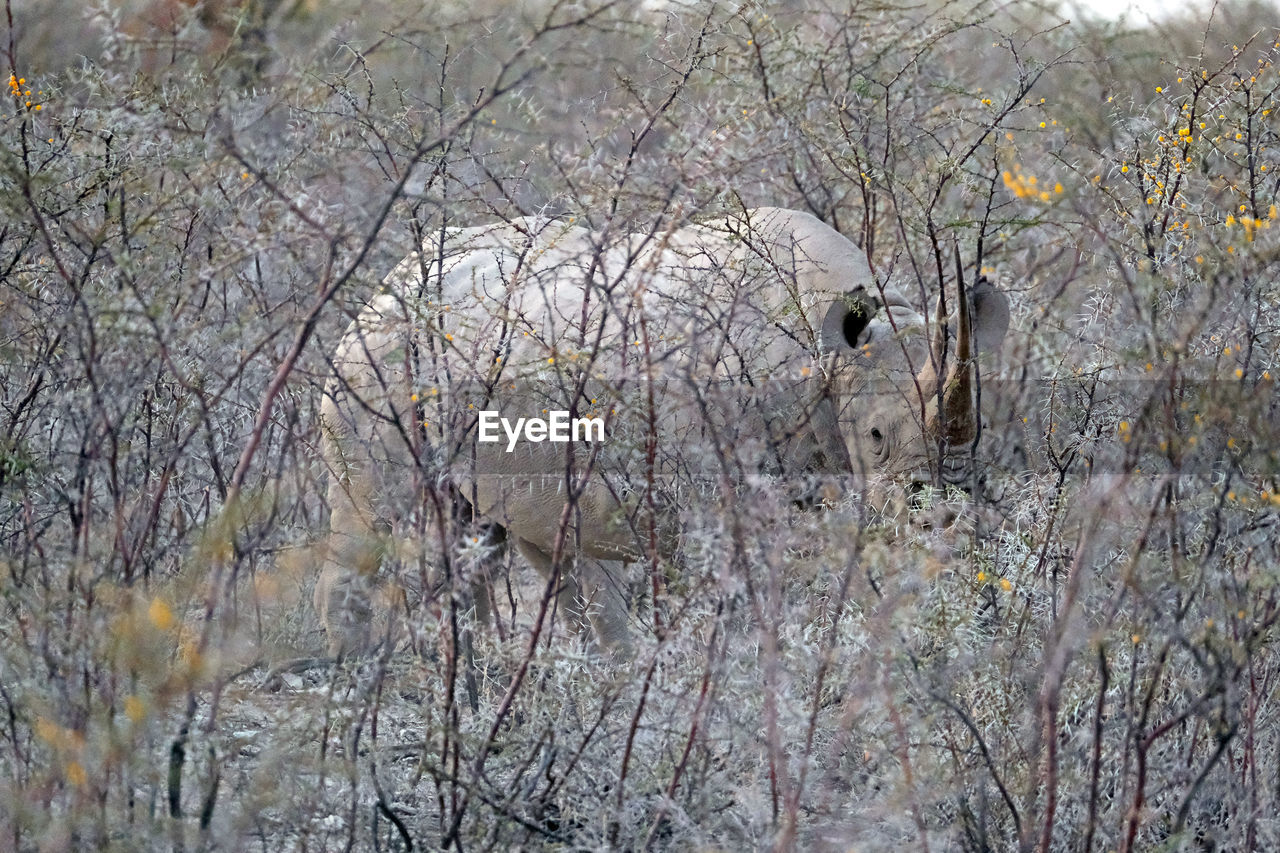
[847,319]
[990,316]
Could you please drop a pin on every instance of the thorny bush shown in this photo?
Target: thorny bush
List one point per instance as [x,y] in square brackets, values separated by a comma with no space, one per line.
[1070,651]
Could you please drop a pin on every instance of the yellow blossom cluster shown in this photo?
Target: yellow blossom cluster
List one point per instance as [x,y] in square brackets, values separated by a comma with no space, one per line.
[70,743]
[18,89]
[1207,163]
[1005,583]
[1263,498]
[416,396]
[1028,186]
[1252,224]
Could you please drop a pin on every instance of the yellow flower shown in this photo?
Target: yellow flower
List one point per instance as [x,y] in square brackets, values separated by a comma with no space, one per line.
[75,774]
[160,614]
[134,709]
[1005,585]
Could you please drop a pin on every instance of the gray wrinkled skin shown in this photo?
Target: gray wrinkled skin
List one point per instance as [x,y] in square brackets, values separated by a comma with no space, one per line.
[759,345]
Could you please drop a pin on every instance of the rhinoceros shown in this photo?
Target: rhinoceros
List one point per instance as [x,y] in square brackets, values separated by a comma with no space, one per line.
[672,363]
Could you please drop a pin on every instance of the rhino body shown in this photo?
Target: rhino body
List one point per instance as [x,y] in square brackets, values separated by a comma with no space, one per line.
[758,345]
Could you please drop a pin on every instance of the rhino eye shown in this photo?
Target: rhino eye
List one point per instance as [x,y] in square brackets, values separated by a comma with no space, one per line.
[877,434]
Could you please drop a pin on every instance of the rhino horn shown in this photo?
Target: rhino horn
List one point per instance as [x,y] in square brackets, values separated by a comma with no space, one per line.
[954,421]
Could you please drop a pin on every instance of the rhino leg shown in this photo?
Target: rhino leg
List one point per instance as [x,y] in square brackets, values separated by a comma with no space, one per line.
[481,576]
[345,606]
[591,597]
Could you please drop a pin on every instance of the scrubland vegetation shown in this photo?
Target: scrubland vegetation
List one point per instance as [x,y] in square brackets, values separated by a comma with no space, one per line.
[1072,652]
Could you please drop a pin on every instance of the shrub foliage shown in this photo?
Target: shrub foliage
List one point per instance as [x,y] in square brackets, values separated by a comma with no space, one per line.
[1070,652]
